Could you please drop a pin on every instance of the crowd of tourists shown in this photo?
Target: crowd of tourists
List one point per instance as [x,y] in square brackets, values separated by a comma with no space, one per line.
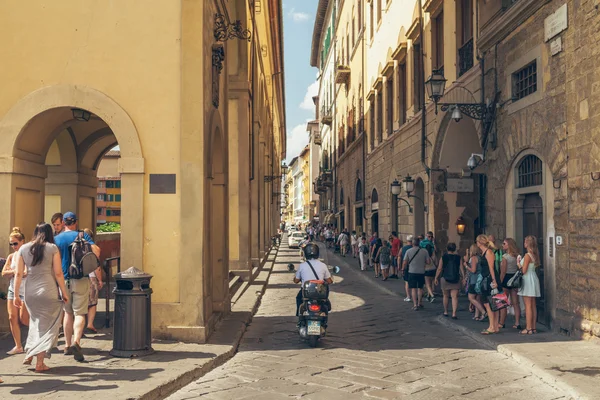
[43,296]
[497,279]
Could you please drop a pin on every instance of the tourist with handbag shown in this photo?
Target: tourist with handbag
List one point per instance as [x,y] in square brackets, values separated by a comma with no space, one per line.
[508,269]
[530,288]
[489,280]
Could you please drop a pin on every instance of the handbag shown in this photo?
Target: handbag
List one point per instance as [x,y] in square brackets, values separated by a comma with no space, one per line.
[498,300]
[516,281]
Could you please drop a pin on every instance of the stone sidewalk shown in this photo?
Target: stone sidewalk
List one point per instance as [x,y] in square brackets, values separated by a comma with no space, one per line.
[567,364]
[171,367]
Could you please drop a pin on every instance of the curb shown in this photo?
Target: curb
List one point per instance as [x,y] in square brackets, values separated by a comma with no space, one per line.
[244,319]
[537,371]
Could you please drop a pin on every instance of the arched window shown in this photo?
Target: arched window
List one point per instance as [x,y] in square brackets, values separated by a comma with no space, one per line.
[342,196]
[359,195]
[529,172]
[374,200]
[374,196]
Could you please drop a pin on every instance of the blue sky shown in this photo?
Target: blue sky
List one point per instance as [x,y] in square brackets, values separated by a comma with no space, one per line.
[300,85]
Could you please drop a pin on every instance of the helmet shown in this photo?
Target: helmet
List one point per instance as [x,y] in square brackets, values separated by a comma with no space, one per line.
[311,251]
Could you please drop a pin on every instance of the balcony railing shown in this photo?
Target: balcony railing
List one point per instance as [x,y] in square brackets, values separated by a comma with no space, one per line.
[327,178]
[465,57]
[326,116]
[342,74]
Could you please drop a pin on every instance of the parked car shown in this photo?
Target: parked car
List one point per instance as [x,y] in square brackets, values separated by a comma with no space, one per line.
[292,229]
[295,239]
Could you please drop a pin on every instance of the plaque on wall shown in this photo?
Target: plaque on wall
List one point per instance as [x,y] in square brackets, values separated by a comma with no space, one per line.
[463,185]
[162,184]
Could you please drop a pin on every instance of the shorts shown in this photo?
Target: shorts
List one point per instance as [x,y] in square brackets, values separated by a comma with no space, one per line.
[472,289]
[93,297]
[416,281]
[79,296]
[507,278]
[383,266]
[11,295]
[430,273]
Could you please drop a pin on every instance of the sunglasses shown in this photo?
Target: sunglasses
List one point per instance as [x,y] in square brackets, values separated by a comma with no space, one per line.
[14,244]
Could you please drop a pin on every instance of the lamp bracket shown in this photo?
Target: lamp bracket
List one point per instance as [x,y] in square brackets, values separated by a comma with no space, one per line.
[418,198]
[410,209]
[225,31]
[475,111]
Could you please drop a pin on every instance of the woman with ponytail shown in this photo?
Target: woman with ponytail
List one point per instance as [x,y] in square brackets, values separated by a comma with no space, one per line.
[16,317]
[488,270]
[41,293]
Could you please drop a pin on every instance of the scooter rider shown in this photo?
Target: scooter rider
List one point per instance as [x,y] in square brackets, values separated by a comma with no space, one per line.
[308,269]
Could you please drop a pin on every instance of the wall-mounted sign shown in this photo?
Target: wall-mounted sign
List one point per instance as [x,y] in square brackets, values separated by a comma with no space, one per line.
[162,183]
[556,46]
[459,185]
[555,23]
[375,206]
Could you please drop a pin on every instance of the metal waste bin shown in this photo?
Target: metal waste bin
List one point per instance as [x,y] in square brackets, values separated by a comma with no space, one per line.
[132,336]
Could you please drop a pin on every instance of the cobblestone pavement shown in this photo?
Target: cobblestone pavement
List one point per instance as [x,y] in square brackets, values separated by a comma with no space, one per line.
[376,347]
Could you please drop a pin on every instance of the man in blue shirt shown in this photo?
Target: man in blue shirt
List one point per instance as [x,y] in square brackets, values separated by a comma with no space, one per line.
[79,289]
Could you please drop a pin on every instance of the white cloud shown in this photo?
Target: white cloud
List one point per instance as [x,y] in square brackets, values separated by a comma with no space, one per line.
[298,16]
[297,139]
[311,91]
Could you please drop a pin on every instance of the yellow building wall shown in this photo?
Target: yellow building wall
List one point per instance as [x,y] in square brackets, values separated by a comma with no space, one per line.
[128,50]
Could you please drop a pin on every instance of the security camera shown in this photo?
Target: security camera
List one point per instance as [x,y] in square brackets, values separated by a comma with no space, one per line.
[473,162]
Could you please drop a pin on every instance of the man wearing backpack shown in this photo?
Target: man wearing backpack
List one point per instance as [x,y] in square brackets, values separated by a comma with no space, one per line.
[77,307]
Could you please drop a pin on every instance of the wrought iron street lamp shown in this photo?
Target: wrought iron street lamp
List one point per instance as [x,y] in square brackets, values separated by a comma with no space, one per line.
[436,86]
[396,187]
[284,171]
[461,226]
[409,187]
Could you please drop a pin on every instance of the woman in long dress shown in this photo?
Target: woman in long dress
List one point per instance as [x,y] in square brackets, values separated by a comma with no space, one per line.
[44,272]
[530,289]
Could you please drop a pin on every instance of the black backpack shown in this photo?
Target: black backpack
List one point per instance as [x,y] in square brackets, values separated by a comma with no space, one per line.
[451,263]
[83,259]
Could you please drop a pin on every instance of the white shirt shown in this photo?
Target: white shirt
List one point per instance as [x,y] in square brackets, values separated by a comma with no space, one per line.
[304,272]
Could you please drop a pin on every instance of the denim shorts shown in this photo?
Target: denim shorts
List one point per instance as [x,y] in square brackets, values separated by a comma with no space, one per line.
[11,295]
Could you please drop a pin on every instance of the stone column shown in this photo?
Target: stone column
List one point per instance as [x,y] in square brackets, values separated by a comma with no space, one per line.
[375,118]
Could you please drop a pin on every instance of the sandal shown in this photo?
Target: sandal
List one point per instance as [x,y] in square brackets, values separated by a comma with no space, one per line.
[14,351]
[488,332]
[42,368]
[445,315]
[454,317]
[526,332]
[517,327]
[502,326]
[91,330]
[534,331]
[415,308]
[27,361]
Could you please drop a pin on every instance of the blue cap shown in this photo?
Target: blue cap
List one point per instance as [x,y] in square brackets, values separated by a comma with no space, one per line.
[69,216]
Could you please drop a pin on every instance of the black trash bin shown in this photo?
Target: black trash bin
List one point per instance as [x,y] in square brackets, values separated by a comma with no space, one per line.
[132,336]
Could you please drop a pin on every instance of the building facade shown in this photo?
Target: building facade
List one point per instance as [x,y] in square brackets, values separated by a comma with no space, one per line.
[510,148]
[108,199]
[198,114]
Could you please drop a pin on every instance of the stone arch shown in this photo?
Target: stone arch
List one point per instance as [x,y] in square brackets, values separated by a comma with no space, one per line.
[37,120]
[358,191]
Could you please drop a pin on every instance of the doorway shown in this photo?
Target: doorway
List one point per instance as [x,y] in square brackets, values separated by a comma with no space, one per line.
[375,222]
[533,225]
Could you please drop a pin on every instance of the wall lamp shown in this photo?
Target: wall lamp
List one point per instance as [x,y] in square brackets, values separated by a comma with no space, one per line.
[81,115]
[409,187]
[461,226]
[595,176]
[284,171]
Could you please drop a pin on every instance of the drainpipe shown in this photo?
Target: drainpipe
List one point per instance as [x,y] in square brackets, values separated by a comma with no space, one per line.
[423,109]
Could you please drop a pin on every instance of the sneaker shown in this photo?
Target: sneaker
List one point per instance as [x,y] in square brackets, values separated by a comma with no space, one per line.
[394,276]
[77,354]
[407,299]
[432,299]
[68,351]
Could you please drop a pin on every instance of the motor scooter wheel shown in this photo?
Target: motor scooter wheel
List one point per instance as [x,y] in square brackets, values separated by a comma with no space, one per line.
[313,340]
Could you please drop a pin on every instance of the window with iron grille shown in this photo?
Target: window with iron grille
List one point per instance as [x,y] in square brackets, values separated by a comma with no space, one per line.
[525,81]
[529,172]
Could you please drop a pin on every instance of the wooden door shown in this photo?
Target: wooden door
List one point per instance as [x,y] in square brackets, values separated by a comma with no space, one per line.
[533,224]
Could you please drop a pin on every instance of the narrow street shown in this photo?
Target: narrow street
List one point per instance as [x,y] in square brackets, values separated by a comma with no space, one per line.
[376,347]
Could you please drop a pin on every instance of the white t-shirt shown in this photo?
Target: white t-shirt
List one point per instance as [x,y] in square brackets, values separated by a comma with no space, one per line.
[304,272]
[354,240]
[343,239]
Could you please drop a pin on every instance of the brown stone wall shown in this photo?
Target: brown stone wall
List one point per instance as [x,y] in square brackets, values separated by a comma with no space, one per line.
[562,128]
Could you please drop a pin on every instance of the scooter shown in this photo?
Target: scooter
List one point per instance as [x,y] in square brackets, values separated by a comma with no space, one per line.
[314,310]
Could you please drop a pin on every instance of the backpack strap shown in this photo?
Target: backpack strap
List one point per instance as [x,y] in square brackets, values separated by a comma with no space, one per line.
[413,257]
[313,270]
